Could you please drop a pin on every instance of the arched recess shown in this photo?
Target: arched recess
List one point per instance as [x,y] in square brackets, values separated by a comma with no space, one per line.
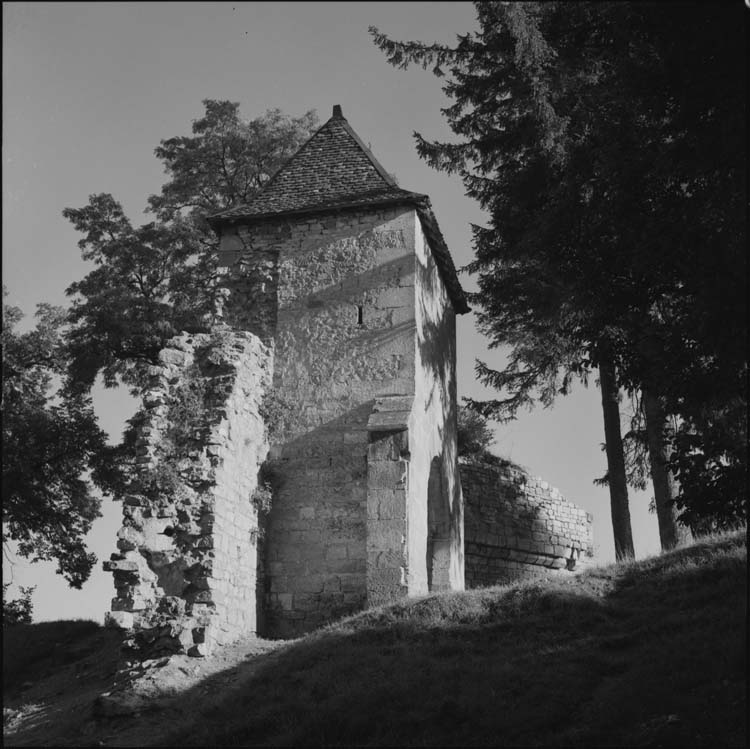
[438,530]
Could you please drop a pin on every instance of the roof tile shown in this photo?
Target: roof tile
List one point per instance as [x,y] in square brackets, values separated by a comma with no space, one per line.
[334,170]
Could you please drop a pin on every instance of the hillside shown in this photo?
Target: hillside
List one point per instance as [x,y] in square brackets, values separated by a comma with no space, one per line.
[643,654]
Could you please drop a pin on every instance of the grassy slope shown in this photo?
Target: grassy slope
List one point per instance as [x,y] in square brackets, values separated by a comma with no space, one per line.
[32,652]
[650,653]
[52,673]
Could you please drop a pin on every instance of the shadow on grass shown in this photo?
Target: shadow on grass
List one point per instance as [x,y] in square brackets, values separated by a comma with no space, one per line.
[30,651]
[52,673]
[643,654]
[529,664]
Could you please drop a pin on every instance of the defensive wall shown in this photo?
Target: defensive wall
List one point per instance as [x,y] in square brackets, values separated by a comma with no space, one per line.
[187,563]
[517,526]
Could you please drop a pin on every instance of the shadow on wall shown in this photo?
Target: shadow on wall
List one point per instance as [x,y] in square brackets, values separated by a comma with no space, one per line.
[345,333]
[315,557]
[436,345]
[438,557]
[387,274]
[250,292]
[517,525]
[346,359]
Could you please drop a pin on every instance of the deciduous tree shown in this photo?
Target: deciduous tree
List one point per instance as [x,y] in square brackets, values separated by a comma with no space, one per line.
[53,450]
[151,281]
[148,283]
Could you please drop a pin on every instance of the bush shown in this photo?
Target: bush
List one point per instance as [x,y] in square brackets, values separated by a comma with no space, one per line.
[18,610]
[474,434]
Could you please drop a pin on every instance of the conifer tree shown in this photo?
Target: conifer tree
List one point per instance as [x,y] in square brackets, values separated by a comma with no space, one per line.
[581,136]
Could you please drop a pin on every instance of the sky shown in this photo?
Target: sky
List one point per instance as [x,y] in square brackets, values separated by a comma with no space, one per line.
[90,89]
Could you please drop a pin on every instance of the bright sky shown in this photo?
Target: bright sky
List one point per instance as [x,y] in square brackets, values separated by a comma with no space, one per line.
[89,90]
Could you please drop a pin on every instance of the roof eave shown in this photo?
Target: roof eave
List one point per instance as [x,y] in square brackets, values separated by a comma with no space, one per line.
[442,256]
[217,220]
[421,202]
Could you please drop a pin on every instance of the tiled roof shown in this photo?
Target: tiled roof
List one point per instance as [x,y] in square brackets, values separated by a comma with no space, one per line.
[316,205]
[334,164]
[334,170]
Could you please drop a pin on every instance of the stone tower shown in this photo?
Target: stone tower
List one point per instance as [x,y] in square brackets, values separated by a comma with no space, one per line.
[347,278]
[328,387]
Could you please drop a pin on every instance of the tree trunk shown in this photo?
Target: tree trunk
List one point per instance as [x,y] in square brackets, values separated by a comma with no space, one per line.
[671,533]
[618,488]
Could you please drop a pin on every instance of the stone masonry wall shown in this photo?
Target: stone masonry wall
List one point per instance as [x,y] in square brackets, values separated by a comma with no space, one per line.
[186,569]
[387,505]
[517,526]
[343,334]
[435,523]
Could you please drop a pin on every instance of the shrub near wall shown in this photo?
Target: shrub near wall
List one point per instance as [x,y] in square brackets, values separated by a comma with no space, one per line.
[517,526]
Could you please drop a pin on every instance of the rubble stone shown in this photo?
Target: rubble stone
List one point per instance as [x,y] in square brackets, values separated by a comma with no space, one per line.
[166,570]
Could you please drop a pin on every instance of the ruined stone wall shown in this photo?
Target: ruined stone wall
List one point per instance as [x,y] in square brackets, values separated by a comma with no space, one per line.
[186,569]
[517,526]
[343,335]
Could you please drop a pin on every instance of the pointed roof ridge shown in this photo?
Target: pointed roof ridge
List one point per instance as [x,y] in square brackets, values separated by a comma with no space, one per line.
[334,170]
[337,114]
[331,165]
[289,161]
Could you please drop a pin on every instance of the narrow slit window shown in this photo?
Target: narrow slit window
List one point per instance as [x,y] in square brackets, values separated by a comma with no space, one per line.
[360,314]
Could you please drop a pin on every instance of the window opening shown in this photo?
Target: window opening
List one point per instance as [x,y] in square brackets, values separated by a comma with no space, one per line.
[360,315]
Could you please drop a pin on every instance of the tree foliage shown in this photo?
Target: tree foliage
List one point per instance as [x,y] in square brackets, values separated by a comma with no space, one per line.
[606,143]
[154,280]
[144,288]
[474,434]
[226,160]
[148,283]
[53,449]
[17,610]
